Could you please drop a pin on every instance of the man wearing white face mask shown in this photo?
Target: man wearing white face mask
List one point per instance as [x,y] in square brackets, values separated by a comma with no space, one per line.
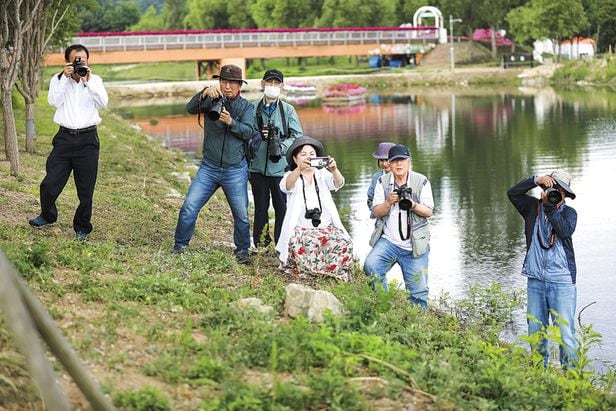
[279,125]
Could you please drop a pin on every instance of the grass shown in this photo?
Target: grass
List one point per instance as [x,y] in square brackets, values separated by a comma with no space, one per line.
[157,330]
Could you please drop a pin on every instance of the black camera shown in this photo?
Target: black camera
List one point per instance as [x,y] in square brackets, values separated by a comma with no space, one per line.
[273,141]
[404,196]
[553,195]
[314,214]
[216,110]
[80,67]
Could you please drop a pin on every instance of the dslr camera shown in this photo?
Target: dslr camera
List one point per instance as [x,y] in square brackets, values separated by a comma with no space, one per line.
[80,67]
[273,141]
[218,104]
[553,195]
[404,196]
[319,162]
[314,214]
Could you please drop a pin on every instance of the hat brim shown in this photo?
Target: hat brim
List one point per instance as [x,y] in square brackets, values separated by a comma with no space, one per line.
[216,76]
[399,157]
[565,187]
[300,142]
[273,78]
[379,156]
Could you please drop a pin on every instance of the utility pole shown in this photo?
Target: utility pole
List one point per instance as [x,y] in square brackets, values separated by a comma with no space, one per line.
[451,54]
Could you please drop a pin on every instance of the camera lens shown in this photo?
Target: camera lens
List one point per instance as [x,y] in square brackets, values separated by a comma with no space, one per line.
[554,196]
[81,71]
[214,113]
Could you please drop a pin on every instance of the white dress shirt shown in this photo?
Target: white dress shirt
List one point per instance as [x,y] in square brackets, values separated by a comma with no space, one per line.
[77,103]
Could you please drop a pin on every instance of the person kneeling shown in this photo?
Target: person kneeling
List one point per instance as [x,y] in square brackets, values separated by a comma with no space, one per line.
[313,239]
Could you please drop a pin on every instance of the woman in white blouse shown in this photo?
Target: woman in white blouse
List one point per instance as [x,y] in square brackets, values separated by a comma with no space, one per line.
[313,239]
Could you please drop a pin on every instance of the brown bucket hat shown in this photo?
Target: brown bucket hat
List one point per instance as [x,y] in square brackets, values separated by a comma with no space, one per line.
[230,72]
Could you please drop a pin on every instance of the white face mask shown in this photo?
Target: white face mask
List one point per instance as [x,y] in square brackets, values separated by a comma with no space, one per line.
[272,91]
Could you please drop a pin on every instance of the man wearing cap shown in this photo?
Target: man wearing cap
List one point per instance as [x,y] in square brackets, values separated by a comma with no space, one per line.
[405,235]
[269,164]
[549,265]
[224,161]
[381,153]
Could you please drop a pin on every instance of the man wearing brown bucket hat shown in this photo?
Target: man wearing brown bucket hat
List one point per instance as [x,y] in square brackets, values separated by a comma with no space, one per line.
[549,265]
[229,120]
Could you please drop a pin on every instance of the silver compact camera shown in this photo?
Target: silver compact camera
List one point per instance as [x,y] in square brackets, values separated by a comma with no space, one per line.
[319,162]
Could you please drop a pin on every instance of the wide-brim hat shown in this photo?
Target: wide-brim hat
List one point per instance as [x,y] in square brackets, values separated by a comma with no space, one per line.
[563,179]
[230,72]
[382,151]
[299,143]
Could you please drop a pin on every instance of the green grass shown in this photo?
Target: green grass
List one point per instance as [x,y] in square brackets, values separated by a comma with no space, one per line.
[157,330]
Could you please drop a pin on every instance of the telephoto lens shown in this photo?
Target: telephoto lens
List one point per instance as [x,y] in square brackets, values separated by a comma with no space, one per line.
[214,113]
[554,196]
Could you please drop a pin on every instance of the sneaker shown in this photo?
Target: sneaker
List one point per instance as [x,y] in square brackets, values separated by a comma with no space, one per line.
[40,222]
[81,235]
[178,249]
[242,258]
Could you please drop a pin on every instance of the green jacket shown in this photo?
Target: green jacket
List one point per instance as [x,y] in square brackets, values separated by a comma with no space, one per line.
[261,163]
[222,145]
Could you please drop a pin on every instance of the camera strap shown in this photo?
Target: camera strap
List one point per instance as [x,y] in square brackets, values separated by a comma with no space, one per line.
[408,225]
[199,108]
[285,127]
[316,187]
[552,239]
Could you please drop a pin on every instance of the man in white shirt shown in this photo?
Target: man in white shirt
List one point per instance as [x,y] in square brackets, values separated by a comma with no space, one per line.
[77,94]
[403,200]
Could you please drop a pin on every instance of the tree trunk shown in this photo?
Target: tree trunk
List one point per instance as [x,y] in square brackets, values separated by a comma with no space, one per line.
[30,127]
[493,40]
[10,132]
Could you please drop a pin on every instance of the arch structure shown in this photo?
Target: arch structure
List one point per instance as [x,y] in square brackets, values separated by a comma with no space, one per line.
[431,12]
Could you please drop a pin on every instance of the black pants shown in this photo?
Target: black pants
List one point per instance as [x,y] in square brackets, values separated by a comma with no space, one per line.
[77,153]
[262,187]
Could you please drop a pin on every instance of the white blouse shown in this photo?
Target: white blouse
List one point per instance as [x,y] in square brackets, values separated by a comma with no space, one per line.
[296,209]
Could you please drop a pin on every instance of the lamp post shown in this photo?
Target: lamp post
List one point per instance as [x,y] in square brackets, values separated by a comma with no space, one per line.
[451,21]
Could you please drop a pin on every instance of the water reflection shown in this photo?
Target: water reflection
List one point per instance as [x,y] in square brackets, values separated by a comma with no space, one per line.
[473,148]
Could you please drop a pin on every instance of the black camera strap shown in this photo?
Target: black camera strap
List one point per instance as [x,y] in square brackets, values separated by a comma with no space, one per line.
[408,225]
[552,239]
[285,126]
[316,187]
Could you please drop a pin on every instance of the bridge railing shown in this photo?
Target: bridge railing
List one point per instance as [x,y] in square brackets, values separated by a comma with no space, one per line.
[187,40]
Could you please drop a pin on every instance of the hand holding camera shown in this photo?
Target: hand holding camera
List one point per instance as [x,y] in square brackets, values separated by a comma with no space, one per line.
[551,193]
[78,67]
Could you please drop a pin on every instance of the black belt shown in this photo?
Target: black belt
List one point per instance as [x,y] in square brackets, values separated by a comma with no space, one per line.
[76,131]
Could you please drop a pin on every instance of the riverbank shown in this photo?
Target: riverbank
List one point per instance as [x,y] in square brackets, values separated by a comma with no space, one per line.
[158,331]
[382,82]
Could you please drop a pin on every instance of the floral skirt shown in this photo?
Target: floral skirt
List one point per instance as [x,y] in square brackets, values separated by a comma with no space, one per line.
[320,251]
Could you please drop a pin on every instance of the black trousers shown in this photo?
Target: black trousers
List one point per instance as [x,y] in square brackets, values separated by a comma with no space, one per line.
[262,187]
[76,152]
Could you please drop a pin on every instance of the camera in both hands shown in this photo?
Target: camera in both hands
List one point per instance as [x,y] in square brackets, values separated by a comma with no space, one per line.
[80,67]
[319,162]
[314,214]
[272,134]
[404,197]
[216,110]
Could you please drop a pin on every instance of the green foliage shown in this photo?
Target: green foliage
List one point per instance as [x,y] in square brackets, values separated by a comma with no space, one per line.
[151,20]
[147,399]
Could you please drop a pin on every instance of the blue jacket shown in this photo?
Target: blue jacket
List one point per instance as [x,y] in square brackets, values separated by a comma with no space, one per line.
[225,146]
[563,219]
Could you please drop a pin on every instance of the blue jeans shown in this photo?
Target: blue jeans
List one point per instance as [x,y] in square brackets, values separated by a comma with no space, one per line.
[414,270]
[234,183]
[558,301]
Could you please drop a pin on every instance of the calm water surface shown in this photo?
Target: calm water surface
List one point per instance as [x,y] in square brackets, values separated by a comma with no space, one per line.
[472,147]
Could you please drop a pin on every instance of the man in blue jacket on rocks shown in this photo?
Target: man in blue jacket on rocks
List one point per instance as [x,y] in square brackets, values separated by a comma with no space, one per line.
[279,126]
[549,265]
[228,127]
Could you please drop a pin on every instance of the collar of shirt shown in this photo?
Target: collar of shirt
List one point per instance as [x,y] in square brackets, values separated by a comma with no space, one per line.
[269,109]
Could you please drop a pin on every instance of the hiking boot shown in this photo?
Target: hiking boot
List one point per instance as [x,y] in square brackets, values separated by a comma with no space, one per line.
[178,249]
[40,222]
[81,235]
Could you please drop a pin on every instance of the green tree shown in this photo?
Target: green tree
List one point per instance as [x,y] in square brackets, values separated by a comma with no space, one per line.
[215,14]
[602,17]
[173,14]
[553,19]
[108,15]
[494,12]
[286,13]
[149,21]
[345,13]
[405,10]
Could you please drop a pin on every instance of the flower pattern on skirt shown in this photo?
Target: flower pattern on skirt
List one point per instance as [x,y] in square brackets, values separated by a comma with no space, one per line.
[320,251]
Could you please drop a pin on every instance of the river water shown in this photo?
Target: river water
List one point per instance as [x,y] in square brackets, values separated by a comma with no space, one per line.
[473,146]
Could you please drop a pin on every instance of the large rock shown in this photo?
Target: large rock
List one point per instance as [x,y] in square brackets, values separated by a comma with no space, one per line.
[252,303]
[304,300]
